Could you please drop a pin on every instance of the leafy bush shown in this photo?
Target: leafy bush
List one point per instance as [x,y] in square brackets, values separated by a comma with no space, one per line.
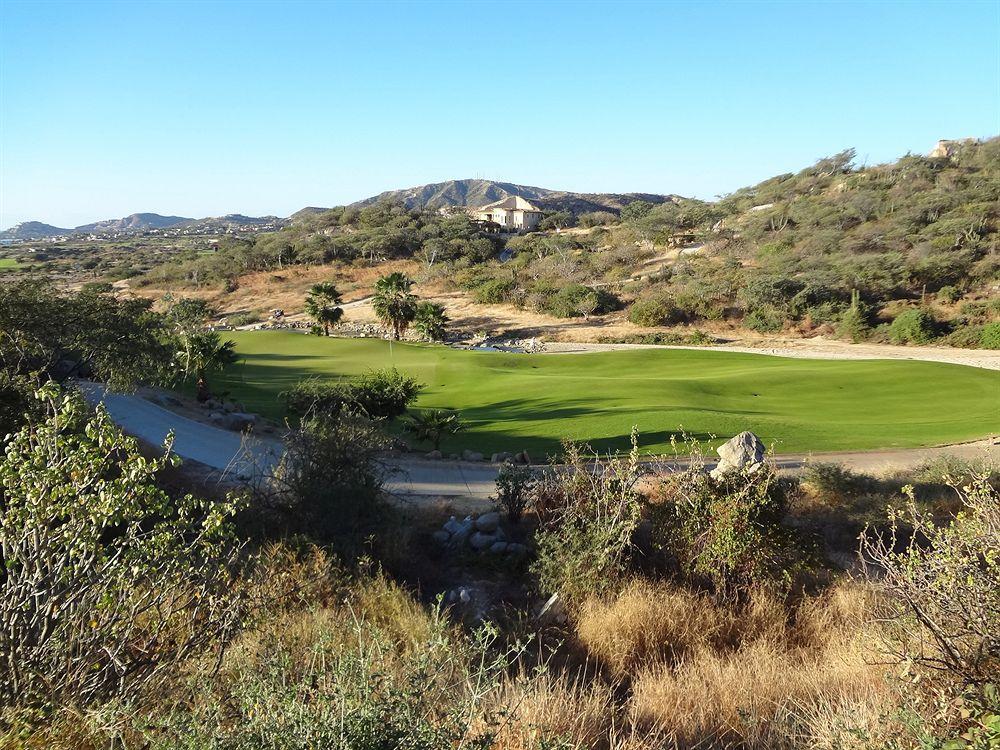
[577,300]
[328,483]
[853,324]
[726,533]
[494,292]
[514,487]
[108,582]
[429,321]
[588,516]
[433,425]
[656,310]
[915,326]
[949,294]
[989,337]
[379,394]
[764,320]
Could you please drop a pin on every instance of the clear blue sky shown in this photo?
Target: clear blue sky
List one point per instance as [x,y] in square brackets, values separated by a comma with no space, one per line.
[201,108]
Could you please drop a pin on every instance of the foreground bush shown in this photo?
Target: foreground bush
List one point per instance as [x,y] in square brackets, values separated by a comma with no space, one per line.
[106,582]
[944,582]
[726,534]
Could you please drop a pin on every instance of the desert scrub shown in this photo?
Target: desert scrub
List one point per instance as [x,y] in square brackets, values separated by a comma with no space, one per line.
[588,516]
[373,671]
[727,534]
[914,326]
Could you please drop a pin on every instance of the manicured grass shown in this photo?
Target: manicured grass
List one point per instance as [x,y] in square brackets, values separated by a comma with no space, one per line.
[7,263]
[522,401]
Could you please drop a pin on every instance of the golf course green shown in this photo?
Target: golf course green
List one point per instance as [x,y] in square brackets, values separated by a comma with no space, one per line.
[532,401]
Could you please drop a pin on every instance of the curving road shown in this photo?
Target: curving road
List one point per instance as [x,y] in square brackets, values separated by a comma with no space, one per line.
[240,457]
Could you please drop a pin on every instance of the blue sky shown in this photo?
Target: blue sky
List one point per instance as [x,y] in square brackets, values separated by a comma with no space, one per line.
[202,108]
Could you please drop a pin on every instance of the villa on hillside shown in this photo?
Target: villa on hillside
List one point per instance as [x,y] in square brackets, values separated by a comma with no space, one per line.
[512,214]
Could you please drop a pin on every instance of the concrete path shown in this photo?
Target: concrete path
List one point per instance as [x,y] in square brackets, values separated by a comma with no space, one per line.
[233,453]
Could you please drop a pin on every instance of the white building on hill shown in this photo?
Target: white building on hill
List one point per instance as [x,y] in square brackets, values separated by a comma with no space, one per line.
[513,214]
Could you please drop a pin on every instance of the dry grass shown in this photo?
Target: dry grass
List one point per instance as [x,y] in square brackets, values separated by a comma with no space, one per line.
[764,692]
[645,624]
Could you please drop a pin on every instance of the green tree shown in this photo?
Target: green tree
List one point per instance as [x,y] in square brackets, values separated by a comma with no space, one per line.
[56,334]
[636,210]
[205,352]
[434,425]
[394,304]
[323,305]
[429,321]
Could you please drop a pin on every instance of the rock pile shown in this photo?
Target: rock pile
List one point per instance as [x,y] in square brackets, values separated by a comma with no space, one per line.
[743,453]
[521,457]
[482,534]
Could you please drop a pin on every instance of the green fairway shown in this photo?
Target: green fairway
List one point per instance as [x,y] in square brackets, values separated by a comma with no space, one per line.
[523,401]
[8,263]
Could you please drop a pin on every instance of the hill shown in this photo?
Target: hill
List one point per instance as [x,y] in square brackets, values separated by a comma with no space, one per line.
[32,230]
[134,223]
[480,192]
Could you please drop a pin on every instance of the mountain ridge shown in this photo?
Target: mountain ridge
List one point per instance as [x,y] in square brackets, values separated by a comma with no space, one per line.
[479,192]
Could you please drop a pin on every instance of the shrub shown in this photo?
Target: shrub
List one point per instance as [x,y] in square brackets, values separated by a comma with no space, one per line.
[494,292]
[944,583]
[726,533]
[379,394]
[108,582]
[514,487]
[657,310]
[328,483]
[429,321]
[597,219]
[989,337]
[764,320]
[589,514]
[915,326]
[949,294]
[433,425]
[576,300]
[832,482]
[853,324]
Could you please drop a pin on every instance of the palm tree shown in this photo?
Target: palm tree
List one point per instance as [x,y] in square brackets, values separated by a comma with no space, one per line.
[434,425]
[322,305]
[394,304]
[429,321]
[206,352]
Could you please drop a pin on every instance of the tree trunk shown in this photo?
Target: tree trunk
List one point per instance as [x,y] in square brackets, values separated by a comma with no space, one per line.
[203,393]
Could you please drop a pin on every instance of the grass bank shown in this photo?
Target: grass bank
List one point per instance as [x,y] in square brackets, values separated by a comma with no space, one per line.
[522,401]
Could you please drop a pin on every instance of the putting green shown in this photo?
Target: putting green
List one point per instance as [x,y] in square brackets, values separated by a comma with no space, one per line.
[524,401]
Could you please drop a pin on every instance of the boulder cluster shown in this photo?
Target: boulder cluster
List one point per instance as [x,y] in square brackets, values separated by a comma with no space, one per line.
[520,457]
[482,534]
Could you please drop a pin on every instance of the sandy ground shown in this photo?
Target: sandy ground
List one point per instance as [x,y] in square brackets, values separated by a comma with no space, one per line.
[819,348]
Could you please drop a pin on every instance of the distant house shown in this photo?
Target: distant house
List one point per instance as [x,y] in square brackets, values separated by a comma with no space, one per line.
[513,214]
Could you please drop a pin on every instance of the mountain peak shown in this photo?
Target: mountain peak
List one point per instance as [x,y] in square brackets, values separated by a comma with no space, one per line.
[480,192]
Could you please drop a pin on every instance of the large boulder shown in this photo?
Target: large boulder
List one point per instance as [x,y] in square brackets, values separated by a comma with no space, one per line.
[488,522]
[745,453]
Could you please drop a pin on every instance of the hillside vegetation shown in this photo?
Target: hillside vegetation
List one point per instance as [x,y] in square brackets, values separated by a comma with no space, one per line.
[905,252]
